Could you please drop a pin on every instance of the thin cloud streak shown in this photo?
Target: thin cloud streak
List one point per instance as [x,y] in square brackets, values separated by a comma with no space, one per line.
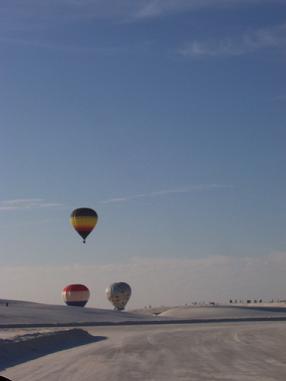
[187,189]
[155,8]
[65,10]
[76,48]
[274,37]
[26,203]
[280,98]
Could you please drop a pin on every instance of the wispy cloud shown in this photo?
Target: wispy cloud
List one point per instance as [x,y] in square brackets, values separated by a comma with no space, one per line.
[26,203]
[280,98]
[155,8]
[164,192]
[272,37]
[60,46]
[125,9]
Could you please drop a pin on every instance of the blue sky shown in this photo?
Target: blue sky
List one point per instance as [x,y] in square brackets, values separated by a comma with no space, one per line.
[167,117]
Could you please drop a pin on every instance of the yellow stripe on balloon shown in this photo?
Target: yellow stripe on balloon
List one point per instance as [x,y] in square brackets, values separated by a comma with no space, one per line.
[78,222]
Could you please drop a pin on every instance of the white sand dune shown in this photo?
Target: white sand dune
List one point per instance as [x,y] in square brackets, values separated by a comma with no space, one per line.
[27,314]
[222,343]
[225,312]
[23,348]
[239,352]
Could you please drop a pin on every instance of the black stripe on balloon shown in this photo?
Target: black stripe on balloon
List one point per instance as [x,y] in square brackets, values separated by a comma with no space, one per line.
[84,212]
[84,234]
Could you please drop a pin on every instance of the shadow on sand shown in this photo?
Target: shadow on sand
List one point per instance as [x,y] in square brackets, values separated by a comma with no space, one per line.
[32,346]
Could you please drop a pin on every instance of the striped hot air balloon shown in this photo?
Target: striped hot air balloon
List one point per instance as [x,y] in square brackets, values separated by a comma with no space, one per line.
[84,220]
[76,295]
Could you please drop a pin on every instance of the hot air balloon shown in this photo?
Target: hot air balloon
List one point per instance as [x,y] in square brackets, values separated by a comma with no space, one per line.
[83,220]
[76,295]
[118,294]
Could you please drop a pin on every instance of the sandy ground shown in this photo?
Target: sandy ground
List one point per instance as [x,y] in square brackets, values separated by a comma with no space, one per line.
[20,314]
[26,314]
[199,350]
[224,312]
[232,351]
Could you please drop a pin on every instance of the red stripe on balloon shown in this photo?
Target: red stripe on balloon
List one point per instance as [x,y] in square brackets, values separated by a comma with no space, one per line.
[75,287]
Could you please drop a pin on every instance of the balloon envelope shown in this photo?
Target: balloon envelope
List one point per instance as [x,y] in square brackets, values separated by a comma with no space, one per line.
[118,294]
[83,220]
[76,295]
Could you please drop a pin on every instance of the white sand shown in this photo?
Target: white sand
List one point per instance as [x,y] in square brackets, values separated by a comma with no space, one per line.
[251,351]
[202,351]
[31,314]
[225,312]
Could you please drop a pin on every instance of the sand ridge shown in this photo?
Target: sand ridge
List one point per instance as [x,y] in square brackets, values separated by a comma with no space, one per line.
[215,343]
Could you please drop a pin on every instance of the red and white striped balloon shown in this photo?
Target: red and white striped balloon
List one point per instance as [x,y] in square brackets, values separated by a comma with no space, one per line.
[76,295]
